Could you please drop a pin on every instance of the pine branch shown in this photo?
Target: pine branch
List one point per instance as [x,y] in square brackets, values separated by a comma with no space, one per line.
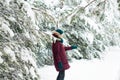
[89,4]
[46,13]
[104,6]
[11,42]
[75,11]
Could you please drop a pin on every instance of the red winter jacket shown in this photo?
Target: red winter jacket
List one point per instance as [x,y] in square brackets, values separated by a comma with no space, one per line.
[59,55]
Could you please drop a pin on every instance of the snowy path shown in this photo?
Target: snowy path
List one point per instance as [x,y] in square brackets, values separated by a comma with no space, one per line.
[107,69]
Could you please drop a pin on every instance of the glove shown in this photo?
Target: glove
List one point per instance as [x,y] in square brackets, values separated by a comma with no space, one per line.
[74,47]
[60,65]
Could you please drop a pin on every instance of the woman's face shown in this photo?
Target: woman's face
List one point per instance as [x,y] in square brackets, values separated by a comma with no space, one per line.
[57,35]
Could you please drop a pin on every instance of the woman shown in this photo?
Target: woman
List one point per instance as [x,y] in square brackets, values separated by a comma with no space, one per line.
[59,55]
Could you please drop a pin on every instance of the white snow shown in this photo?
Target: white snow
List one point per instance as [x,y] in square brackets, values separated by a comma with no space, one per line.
[6,29]
[7,2]
[51,2]
[32,71]
[106,69]
[29,11]
[1,60]
[10,52]
[89,36]
[27,56]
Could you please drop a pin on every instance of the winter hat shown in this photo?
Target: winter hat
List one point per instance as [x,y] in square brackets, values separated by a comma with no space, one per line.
[57,33]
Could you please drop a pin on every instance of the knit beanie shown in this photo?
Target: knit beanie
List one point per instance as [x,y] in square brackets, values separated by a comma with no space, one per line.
[59,31]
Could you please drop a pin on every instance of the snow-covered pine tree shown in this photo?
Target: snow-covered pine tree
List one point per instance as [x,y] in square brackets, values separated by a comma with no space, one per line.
[26,26]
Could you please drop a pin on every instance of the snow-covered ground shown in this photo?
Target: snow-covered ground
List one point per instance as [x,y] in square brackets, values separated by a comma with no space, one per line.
[105,69]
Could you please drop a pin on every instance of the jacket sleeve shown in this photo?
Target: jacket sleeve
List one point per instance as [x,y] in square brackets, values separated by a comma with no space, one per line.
[68,48]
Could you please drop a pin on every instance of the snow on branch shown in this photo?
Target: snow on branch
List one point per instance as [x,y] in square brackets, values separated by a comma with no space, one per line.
[89,3]
[46,13]
[76,10]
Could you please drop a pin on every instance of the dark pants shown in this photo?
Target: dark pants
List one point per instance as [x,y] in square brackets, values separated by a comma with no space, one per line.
[61,75]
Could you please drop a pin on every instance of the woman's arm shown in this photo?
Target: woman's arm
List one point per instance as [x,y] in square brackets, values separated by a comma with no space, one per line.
[70,48]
